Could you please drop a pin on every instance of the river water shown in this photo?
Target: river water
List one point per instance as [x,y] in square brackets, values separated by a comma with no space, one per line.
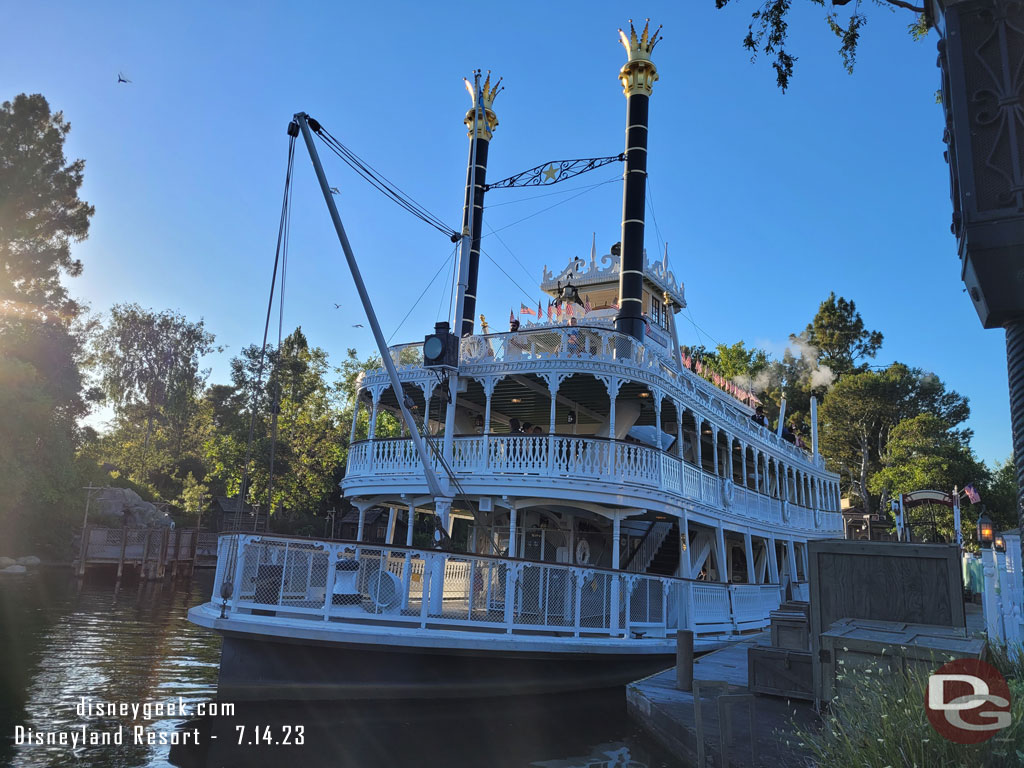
[63,641]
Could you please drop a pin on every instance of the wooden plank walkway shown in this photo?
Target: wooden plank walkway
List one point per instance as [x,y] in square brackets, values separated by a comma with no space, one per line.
[670,714]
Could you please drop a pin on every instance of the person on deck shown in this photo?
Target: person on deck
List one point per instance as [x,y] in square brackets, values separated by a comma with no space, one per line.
[759,417]
[514,428]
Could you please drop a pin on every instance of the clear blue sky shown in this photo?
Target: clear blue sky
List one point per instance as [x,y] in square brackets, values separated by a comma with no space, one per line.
[768,201]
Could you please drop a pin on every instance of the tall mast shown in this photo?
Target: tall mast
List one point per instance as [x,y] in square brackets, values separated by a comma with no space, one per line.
[638,76]
[481,122]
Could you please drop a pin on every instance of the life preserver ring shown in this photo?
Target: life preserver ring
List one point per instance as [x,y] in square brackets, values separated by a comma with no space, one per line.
[582,552]
[728,491]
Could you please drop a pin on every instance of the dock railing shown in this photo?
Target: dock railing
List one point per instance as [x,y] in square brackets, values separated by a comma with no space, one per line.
[288,579]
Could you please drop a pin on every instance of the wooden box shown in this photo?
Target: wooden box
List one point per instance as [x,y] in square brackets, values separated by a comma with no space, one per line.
[780,672]
[790,629]
[848,649]
[884,581]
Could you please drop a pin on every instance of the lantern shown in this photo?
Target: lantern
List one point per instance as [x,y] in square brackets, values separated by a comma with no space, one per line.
[986,533]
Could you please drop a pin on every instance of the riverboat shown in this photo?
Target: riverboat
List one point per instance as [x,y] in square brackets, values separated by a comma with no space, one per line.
[567,555]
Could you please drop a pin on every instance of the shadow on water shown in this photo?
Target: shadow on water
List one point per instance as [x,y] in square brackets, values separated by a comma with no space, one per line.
[62,639]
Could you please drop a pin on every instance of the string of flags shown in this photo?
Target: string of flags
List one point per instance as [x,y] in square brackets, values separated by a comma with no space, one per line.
[719,381]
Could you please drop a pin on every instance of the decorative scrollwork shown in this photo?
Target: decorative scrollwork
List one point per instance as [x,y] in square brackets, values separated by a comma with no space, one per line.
[553,172]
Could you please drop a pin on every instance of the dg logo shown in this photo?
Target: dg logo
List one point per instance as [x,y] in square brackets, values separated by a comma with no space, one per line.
[967,701]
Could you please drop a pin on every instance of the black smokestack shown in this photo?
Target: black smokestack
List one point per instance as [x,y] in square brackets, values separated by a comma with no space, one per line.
[638,76]
[481,125]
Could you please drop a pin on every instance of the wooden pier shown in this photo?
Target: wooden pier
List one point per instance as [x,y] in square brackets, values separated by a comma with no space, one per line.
[758,729]
[151,552]
[720,723]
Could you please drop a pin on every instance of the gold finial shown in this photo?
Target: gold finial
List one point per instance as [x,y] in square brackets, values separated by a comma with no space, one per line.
[640,48]
[639,74]
[488,93]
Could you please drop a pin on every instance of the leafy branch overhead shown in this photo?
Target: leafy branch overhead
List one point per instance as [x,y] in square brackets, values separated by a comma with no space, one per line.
[769,30]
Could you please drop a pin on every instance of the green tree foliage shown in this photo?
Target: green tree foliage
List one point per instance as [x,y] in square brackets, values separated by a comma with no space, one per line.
[840,337]
[921,453]
[41,389]
[861,411]
[999,495]
[149,366]
[297,420]
[768,32]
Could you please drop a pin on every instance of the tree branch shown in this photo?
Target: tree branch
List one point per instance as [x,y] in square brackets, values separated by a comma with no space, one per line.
[898,3]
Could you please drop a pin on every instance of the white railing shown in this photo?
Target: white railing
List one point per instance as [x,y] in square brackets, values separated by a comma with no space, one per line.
[284,580]
[588,342]
[586,458]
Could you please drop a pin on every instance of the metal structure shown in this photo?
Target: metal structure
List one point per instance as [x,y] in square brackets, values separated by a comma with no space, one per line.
[554,171]
[981,55]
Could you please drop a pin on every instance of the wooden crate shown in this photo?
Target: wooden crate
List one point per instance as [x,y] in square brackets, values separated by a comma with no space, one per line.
[848,649]
[883,581]
[780,672]
[790,629]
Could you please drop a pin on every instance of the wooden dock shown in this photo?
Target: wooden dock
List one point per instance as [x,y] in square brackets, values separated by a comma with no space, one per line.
[151,552]
[671,715]
[690,725]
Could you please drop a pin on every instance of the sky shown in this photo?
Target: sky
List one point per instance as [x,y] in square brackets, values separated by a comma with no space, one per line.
[768,201]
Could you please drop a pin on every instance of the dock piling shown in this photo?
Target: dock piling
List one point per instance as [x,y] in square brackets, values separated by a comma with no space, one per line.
[684,660]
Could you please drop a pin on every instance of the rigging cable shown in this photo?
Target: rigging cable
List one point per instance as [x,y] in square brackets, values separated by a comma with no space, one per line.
[275,408]
[516,258]
[229,587]
[444,264]
[661,245]
[555,205]
[381,183]
[506,274]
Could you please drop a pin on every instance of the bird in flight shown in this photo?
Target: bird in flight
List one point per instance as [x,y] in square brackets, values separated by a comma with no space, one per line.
[358,325]
[337,306]
[122,79]
[335,191]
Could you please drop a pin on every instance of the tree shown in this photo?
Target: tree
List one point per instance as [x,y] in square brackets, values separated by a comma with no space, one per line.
[862,409]
[40,211]
[922,453]
[769,31]
[149,369]
[296,421]
[839,336]
[999,495]
[41,333]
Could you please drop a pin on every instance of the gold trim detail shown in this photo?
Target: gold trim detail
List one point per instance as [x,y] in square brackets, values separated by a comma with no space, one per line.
[639,74]
[489,122]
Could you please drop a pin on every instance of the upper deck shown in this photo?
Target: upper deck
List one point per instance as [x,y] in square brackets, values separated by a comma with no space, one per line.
[617,423]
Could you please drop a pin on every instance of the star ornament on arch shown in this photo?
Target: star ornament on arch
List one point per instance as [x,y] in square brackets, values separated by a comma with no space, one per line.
[550,172]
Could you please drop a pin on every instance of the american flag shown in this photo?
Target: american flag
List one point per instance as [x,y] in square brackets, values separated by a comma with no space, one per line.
[525,310]
[972,493]
[551,311]
[586,305]
[511,317]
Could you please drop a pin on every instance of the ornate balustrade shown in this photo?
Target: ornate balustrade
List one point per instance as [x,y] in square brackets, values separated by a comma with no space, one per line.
[287,579]
[575,343]
[567,457]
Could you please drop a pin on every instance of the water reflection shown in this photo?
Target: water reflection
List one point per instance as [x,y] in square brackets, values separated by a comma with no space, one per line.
[61,640]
